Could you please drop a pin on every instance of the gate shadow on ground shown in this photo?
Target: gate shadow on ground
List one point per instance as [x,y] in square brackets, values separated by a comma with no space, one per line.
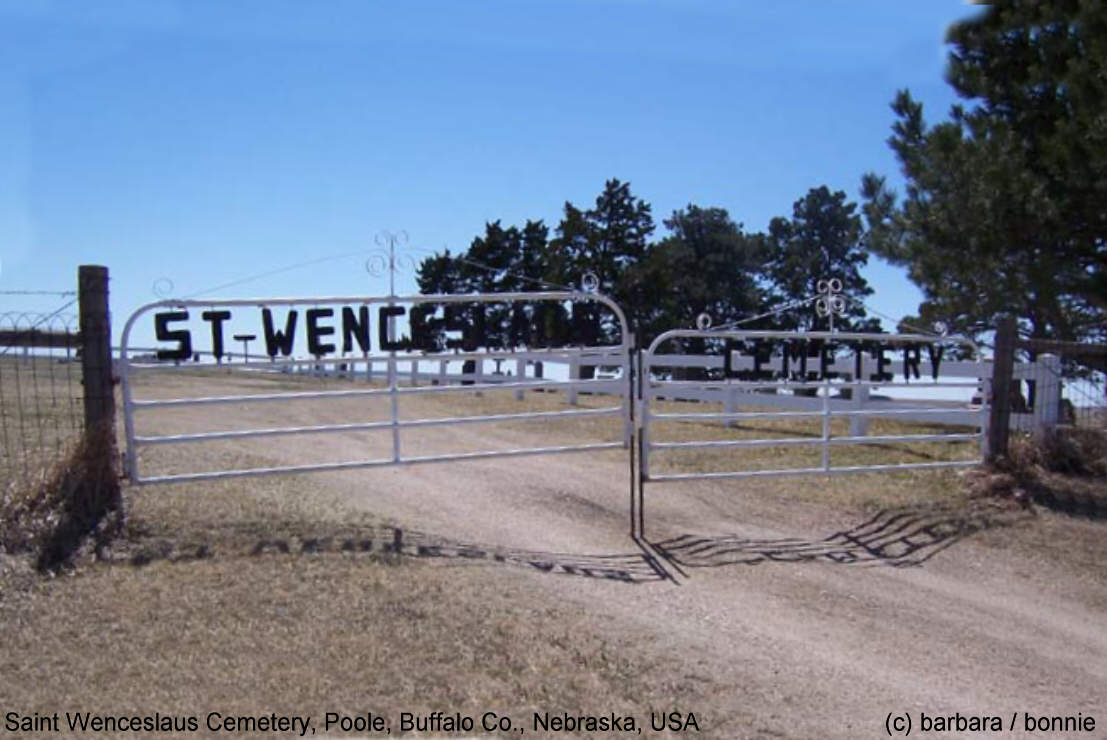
[900,537]
[384,542]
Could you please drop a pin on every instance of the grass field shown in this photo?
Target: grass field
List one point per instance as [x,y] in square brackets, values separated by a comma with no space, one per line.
[371,591]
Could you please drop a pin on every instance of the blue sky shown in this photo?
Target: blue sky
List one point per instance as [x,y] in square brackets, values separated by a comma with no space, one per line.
[206,142]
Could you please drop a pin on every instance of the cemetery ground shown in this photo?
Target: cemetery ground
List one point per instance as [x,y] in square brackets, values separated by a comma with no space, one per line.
[787,607]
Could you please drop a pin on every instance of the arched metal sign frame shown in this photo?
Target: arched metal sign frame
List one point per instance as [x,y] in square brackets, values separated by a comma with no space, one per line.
[614,355]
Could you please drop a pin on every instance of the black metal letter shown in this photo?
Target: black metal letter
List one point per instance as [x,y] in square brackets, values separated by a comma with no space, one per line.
[355,327]
[216,318]
[276,340]
[384,336]
[183,337]
[881,362]
[314,331]
[935,358]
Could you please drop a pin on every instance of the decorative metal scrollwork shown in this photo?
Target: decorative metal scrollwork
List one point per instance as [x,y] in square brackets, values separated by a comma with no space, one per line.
[163,287]
[703,321]
[381,262]
[830,301]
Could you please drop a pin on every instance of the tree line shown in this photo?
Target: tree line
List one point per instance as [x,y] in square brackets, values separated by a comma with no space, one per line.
[705,263]
[1004,210]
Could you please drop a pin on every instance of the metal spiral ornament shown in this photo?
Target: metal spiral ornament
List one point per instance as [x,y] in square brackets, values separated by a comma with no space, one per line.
[386,260]
[163,287]
[830,302]
[590,283]
[380,264]
[703,321]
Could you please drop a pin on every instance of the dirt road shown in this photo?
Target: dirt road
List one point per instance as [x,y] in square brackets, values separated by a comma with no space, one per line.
[792,613]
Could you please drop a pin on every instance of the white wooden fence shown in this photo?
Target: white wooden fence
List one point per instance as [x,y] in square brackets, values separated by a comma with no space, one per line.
[1047,409]
[1045,373]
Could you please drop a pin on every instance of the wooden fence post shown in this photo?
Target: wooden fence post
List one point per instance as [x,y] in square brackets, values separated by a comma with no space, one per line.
[1002,369]
[98,492]
[96,362]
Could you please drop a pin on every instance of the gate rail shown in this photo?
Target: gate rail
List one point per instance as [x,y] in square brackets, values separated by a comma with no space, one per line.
[609,354]
[652,389]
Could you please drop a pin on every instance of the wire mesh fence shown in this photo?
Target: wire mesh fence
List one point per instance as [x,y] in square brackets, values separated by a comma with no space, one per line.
[1085,401]
[41,417]
[1066,384]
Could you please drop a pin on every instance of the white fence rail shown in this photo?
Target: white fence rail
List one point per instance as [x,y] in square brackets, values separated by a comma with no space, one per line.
[1034,410]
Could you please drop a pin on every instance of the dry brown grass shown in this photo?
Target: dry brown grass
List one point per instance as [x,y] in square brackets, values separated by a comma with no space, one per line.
[1068,450]
[193,613]
[1064,469]
[78,502]
[312,634]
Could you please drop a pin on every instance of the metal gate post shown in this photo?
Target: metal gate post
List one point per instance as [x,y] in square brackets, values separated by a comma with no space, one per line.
[639,433]
[633,440]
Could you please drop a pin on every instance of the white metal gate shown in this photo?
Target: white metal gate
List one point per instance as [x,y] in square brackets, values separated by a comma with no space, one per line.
[764,371]
[758,376]
[574,340]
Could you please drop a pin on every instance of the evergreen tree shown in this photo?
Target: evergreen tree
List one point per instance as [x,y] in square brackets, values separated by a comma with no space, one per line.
[605,239]
[1005,208]
[706,265]
[822,240]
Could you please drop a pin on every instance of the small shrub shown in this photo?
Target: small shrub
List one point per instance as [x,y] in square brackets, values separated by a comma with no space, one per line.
[79,497]
[1064,468]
